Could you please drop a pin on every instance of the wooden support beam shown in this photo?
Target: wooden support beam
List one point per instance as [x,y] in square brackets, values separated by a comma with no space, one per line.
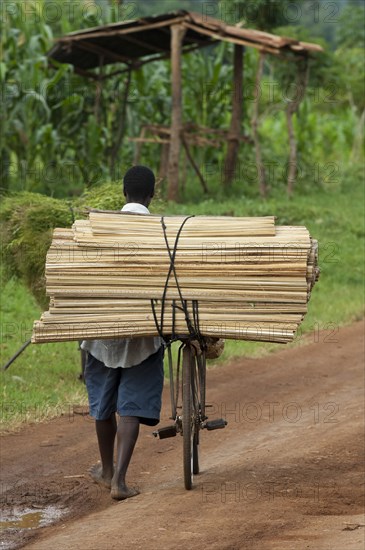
[116,73]
[110,30]
[194,165]
[142,43]
[138,63]
[164,159]
[189,39]
[233,40]
[120,131]
[254,124]
[98,91]
[292,107]
[104,52]
[236,120]
[177,34]
[85,74]
[154,139]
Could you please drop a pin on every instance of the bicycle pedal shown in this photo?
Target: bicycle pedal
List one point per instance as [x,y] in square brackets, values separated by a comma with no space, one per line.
[215,424]
[163,433]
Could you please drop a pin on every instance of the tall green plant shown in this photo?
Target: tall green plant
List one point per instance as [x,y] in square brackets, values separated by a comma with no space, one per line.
[52,140]
[56,140]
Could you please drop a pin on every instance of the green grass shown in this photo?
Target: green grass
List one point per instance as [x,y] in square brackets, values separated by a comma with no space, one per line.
[336,219]
[43,381]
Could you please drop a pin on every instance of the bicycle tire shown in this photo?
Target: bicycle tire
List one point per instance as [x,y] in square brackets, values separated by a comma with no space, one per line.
[190,419]
[195,456]
[187,417]
[195,399]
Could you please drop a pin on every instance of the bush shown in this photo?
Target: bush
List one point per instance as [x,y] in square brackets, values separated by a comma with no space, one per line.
[28,220]
[27,223]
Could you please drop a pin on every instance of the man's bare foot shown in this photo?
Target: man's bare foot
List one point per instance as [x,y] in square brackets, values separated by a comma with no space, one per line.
[96,472]
[123,492]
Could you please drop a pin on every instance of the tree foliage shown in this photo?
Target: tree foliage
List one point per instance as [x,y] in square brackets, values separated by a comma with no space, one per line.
[56,142]
[351,26]
[56,139]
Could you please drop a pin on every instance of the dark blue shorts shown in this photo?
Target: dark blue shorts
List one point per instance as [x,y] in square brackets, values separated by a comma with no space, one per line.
[135,391]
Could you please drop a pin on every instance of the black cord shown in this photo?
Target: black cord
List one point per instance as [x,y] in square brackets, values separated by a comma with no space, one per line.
[193,329]
[156,320]
[172,269]
[173,320]
[172,255]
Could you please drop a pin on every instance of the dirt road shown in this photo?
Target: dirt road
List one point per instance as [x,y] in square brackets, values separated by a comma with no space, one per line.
[286,473]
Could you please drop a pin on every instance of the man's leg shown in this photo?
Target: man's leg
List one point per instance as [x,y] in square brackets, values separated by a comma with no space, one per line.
[105,432]
[139,401]
[102,384]
[127,435]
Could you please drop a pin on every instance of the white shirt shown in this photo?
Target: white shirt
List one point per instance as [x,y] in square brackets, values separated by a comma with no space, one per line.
[124,352]
[135,207]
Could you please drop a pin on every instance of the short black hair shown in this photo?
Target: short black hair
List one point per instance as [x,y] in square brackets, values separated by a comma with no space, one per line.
[139,183]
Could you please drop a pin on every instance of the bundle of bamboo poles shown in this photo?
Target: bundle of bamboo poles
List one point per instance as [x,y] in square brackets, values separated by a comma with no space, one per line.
[119,275]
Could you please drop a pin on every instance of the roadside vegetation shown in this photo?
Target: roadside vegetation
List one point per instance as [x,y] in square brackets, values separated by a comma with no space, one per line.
[43,381]
[57,159]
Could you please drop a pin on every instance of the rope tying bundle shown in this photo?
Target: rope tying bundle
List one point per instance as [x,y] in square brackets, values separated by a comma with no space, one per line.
[193,327]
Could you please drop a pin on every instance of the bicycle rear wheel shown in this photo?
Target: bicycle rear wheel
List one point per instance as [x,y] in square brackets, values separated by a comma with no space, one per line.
[190,417]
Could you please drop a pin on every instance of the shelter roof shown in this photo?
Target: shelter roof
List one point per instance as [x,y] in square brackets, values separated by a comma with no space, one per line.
[141,40]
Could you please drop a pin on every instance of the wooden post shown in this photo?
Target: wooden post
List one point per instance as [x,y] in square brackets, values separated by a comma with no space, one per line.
[177,34]
[165,148]
[98,91]
[254,124]
[120,131]
[293,106]
[193,164]
[236,120]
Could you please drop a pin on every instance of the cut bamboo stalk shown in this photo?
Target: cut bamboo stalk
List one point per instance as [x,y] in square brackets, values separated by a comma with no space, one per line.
[249,279]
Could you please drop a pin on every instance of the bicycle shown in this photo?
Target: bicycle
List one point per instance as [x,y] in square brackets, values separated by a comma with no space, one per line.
[188,405]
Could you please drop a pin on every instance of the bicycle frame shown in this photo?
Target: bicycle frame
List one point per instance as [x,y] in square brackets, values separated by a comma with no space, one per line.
[188,406]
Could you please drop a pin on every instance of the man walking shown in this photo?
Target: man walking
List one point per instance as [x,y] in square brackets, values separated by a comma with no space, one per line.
[124,375]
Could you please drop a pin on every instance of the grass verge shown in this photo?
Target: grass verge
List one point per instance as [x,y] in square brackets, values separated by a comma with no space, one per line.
[43,381]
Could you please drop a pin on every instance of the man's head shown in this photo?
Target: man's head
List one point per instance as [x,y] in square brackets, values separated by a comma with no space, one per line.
[139,185]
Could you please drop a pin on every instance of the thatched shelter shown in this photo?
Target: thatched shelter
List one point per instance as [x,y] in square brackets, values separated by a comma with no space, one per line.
[135,43]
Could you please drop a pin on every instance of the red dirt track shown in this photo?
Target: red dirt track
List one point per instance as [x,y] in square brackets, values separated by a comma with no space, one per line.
[286,473]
